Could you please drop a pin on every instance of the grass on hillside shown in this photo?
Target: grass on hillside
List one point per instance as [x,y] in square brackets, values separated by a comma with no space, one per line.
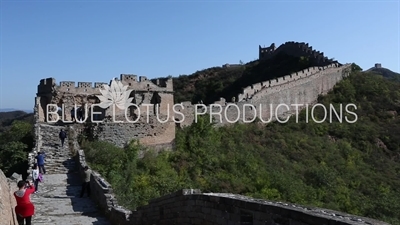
[352,168]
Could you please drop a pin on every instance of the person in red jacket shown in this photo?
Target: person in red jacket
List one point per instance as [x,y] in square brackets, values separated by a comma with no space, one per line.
[25,208]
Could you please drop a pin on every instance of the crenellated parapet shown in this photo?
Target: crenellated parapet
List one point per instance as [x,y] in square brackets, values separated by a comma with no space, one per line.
[142,84]
[248,92]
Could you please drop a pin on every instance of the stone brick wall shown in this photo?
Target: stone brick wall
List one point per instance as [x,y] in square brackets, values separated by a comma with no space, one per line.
[7,200]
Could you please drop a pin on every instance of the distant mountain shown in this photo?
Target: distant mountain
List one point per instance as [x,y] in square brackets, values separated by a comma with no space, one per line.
[6,118]
[385,73]
[8,110]
[12,110]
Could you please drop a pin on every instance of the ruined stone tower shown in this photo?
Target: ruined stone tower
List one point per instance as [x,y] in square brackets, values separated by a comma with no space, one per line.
[144,93]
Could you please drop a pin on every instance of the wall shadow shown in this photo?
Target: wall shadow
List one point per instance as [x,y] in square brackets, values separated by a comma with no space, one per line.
[83,206]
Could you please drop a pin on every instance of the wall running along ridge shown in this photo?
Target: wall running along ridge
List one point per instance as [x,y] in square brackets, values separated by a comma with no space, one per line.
[302,87]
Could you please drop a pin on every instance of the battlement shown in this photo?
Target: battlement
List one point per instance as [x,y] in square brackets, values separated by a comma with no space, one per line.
[49,85]
[251,90]
[73,87]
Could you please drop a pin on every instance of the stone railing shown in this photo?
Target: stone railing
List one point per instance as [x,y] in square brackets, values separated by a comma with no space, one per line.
[101,191]
[102,194]
[7,199]
[190,206]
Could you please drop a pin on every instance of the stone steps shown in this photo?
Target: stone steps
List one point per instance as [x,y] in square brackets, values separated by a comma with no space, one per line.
[57,159]
[57,201]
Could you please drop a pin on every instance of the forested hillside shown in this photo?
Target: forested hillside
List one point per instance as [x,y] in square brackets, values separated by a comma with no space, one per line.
[16,140]
[211,84]
[350,167]
[7,118]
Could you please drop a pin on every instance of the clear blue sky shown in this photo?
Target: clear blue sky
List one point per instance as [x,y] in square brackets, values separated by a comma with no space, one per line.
[98,40]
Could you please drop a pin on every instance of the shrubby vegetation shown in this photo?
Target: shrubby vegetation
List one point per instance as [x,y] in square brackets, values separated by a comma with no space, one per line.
[347,167]
[15,142]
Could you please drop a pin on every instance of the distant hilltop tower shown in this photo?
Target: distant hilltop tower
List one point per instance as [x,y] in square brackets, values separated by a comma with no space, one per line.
[378,65]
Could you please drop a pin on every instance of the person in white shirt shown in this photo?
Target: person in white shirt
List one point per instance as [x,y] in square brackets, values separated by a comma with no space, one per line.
[35,176]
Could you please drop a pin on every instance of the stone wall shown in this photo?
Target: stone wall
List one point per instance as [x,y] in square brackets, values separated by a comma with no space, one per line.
[190,206]
[7,199]
[262,100]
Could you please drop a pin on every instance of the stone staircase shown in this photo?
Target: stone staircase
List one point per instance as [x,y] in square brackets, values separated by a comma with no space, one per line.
[58,200]
[58,159]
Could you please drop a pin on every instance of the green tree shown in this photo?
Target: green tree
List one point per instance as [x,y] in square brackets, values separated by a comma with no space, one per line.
[15,143]
[355,68]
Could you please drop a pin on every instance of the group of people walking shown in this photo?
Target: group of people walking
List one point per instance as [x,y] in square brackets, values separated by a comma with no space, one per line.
[25,208]
[80,112]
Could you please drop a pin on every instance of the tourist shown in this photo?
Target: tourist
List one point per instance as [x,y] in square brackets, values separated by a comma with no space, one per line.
[24,209]
[40,162]
[86,181]
[35,176]
[73,114]
[80,114]
[62,136]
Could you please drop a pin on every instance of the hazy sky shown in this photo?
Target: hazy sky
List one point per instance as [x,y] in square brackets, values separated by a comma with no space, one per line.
[95,41]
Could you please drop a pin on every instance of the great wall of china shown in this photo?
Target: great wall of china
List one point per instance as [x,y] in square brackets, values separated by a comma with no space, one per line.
[188,206]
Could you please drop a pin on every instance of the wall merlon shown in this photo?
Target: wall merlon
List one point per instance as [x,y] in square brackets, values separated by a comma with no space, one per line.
[85,85]
[128,78]
[142,78]
[281,80]
[99,84]
[256,86]
[288,78]
[48,81]
[67,84]
[273,82]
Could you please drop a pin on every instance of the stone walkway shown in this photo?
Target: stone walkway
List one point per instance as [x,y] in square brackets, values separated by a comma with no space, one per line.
[58,200]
